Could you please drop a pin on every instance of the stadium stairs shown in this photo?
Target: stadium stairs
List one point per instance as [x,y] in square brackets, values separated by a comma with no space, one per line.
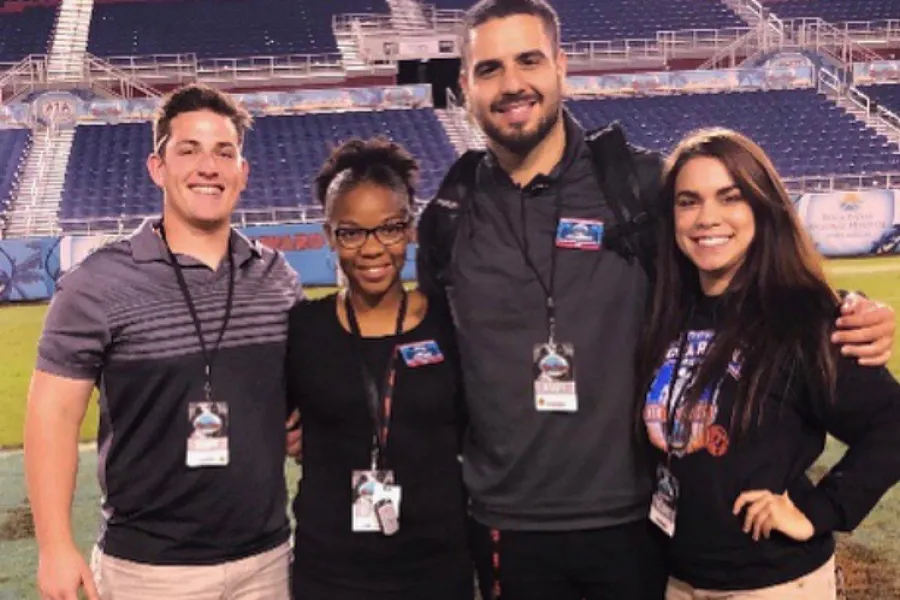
[35,209]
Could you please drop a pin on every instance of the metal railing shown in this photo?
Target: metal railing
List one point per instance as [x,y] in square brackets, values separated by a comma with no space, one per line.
[877,117]
[22,78]
[265,68]
[42,167]
[436,19]
[692,40]
[828,83]
[593,53]
[248,217]
[736,52]
[180,67]
[863,32]
[469,132]
[112,81]
[821,36]
[314,214]
[889,117]
[830,183]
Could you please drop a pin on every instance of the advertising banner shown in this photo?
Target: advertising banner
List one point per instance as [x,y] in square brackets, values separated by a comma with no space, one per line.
[853,223]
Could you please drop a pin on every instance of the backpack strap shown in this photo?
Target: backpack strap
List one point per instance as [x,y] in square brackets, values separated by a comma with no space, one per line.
[439,223]
[631,195]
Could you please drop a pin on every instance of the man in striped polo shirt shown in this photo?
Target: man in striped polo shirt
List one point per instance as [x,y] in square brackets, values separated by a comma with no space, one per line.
[182,328]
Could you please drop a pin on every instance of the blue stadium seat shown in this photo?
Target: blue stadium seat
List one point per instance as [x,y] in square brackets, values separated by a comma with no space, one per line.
[836,11]
[584,20]
[802,131]
[25,32]
[885,94]
[220,28]
[106,175]
[12,153]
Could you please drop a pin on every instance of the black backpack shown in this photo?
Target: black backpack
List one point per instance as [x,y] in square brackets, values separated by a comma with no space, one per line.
[629,178]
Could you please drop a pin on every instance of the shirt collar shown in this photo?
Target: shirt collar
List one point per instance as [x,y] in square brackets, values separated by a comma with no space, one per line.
[147,245]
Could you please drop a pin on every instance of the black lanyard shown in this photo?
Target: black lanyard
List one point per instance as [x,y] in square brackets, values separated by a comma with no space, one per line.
[380,402]
[546,287]
[208,357]
[675,403]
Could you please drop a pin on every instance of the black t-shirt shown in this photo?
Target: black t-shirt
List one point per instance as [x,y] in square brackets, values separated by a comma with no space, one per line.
[325,383]
[714,464]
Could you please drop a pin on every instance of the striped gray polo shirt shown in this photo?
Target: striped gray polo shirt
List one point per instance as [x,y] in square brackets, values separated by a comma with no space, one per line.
[120,319]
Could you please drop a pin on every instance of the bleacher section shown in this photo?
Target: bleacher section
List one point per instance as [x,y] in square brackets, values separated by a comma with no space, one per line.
[221,28]
[583,20]
[25,32]
[803,132]
[835,11]
[107,176]
[12,149]
[884,94]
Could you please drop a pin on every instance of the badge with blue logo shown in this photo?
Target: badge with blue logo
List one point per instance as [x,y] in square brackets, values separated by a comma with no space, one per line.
[420,354]
[554,378]
[579,234]
[207,444]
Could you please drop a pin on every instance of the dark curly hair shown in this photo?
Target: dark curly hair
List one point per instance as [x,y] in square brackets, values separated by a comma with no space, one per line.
[377,160]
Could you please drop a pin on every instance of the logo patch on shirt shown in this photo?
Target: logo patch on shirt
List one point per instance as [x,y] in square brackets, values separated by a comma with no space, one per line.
[717,441]
[579,234]
[419,354]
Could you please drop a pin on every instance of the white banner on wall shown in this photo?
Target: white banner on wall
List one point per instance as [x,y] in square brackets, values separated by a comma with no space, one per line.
[850,223]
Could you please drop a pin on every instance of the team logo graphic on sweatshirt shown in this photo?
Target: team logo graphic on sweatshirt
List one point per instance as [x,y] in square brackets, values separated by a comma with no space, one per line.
[690,432]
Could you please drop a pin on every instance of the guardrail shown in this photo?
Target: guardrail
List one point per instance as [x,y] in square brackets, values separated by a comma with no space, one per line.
[880,31]
[267,68]
[830,183]
[436,19]
[22,77]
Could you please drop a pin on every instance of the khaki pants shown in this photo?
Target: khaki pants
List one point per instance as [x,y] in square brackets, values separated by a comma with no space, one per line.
[260,577]
[818,585]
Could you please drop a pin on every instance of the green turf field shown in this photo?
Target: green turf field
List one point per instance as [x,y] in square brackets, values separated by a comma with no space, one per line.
[877,541]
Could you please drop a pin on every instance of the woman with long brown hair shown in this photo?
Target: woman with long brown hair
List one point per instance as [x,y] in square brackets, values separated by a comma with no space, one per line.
[742,384]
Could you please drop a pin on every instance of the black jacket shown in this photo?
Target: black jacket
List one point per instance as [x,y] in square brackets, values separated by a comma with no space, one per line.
[715,463]
[526,469]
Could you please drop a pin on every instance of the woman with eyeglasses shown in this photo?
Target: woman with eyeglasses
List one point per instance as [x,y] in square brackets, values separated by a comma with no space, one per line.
[374,373]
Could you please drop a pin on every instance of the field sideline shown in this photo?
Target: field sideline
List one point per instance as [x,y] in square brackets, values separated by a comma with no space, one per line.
[870,557]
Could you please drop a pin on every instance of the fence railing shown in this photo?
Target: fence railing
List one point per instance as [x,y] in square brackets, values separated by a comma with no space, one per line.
[830,183]
[266,68]
[314,214]
[22,77]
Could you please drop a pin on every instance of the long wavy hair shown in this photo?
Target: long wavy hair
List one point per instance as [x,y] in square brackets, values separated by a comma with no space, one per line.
[778,309]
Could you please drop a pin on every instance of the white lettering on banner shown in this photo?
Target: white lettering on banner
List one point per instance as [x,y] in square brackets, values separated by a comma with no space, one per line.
[849,223]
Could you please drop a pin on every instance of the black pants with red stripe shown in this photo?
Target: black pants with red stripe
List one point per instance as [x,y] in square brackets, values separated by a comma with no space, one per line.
[625,562]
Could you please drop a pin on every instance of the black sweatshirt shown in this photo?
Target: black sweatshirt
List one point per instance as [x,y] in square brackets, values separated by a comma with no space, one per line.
[325,383]
[529,470]
[715,464]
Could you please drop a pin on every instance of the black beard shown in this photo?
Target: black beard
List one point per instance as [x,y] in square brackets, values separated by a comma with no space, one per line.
[521,143]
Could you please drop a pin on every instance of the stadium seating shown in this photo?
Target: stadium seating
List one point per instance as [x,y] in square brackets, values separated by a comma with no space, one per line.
[107,177]
[836,11]
[803,132]
[220,28]
[26,32]
[12,148]
[582,20]
[886,94]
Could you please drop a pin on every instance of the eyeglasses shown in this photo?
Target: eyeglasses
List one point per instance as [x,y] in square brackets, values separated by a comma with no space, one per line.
[388,234]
